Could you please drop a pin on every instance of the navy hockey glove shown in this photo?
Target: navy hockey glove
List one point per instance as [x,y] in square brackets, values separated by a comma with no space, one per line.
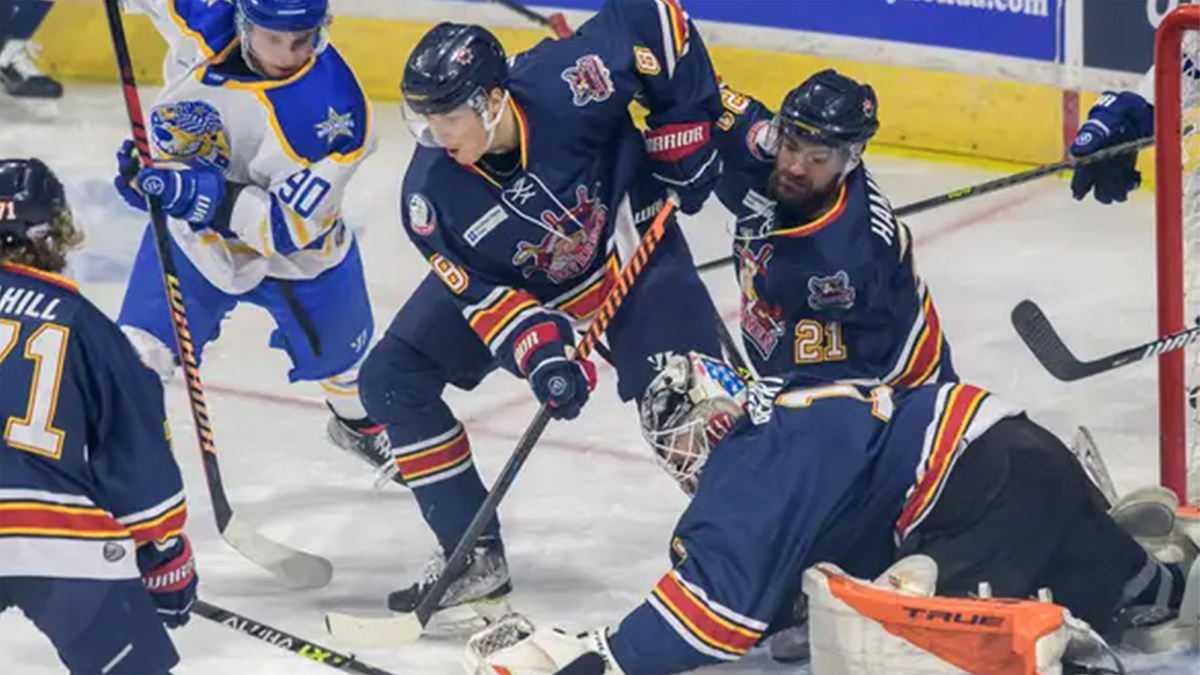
[128,166]
[685,162]
[1114,119]
[172,582]
[562,384]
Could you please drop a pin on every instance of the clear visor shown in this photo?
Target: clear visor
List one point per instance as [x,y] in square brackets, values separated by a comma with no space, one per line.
[683,449]
[437,130]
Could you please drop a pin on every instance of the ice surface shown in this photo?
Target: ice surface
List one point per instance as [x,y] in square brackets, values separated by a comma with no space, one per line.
[588,521]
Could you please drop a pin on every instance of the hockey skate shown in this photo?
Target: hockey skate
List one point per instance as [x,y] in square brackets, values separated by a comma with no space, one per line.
[367,441]
[483,587]
[20,75]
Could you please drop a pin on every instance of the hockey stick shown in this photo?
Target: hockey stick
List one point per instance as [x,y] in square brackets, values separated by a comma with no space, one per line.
[989,187]
[284,640]
[405,628]
[556,22]
[1043,340]
[297,568]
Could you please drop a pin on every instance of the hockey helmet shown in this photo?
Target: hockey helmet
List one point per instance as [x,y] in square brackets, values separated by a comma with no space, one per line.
[453,65]
[831,109]
[285,16]
[32,201]
[687,409]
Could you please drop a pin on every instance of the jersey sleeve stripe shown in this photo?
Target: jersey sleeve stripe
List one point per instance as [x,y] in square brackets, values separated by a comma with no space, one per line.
[53,520]
[488,322]
[942,450]
[925,355]
[166,526]
[700,621]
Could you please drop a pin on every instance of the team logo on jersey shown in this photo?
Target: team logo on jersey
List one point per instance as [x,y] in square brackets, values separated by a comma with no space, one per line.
[559,255]
[762,322]
[190,130]
[113,552]
[590,80]
[831,291]
[335,125]
[420,215]
[763,140]
[646,61]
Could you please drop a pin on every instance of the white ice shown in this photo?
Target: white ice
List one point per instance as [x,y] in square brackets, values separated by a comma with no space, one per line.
[588,521]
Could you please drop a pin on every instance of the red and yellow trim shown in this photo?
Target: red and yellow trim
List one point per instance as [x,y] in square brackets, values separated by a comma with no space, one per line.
[679,26]
[962,402]
[487,323]
[589,300]
[926,353]
[34,273]
[812,227]
[699,619]
[440,458]
[57,520]
[160,528]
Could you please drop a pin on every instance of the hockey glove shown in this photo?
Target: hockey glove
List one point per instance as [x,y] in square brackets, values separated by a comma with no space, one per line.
[1114,119]
[190,191]
[172,580]
[562,384]
[684,162]
[513,646]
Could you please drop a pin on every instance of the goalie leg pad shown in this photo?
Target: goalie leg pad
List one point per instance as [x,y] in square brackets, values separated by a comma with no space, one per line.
[514,646]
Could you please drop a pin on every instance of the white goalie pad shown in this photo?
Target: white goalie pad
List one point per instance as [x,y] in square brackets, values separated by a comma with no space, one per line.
[894,625]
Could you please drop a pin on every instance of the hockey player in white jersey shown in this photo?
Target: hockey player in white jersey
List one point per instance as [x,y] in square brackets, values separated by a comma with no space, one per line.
[259,129]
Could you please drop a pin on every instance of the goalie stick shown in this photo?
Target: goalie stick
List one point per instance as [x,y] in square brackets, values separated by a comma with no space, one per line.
[988,187]
[296,568]
[407,627]
[284,640]
[1043,340]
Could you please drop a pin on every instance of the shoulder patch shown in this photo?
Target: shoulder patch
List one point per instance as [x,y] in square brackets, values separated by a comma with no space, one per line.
[420,215]
[645,61]
[190,130]
[589,79]
[763,141]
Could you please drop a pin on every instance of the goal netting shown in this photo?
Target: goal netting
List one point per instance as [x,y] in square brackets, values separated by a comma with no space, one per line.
[1177,180]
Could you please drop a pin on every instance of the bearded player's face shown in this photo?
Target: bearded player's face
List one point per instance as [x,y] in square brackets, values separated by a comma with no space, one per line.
[806,174]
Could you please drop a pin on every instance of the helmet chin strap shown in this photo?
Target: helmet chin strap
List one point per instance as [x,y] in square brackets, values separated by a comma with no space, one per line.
[490,125]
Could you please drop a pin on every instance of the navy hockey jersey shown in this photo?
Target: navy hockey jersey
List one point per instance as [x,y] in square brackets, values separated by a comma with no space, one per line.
[838,295]
[86,470]
[817,472]
[551,236]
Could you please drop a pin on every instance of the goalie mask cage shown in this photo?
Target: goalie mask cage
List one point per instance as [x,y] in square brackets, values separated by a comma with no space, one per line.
[1177,203]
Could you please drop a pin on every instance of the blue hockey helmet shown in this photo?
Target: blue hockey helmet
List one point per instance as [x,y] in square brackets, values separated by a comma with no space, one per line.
[831,109]
[450,64]
[286,16]
[33,206]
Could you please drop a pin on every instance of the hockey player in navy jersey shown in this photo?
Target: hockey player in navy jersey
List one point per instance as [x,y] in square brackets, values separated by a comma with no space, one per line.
[825,268]
[527,194]
[789,474]
[92,508]
[258,132]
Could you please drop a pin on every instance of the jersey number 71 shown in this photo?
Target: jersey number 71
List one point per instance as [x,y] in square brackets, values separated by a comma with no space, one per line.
[47,348]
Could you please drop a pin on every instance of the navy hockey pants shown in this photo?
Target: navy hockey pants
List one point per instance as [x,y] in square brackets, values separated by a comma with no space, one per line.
[99,627]
[429,344]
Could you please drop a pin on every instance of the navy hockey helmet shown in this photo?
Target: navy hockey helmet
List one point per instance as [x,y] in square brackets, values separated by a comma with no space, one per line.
[831,109]
[32,200]
[451,64]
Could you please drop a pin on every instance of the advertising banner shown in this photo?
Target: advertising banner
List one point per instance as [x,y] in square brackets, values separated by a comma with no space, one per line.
[1119,34]
[1022,28]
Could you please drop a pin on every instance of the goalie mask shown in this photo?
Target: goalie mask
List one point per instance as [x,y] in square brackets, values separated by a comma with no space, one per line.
[687,409]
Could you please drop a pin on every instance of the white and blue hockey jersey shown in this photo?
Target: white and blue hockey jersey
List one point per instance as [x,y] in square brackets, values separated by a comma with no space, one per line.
[287,147]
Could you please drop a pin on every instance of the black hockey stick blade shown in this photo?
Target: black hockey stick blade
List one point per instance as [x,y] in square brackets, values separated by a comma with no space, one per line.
[284,640]
[1043,340]
[988,187]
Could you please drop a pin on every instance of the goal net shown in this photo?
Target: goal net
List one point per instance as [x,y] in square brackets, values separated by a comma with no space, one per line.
[1177,180]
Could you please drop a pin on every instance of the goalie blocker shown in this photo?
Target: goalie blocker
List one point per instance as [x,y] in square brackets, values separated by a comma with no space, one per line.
[963,490]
